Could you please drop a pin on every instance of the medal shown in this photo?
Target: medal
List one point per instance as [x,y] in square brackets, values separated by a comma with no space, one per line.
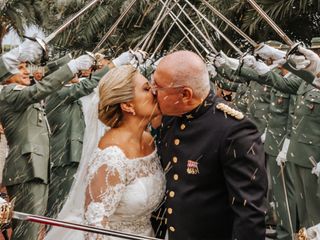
[192,167]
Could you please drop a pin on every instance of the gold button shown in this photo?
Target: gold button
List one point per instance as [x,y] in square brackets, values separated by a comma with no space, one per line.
[171,194]
[177,141]
[169,210]
[172,229]
[176,177]
[175,159]
[182,127]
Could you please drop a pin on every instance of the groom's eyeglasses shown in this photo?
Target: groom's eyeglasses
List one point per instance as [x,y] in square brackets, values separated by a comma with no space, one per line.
[155,88]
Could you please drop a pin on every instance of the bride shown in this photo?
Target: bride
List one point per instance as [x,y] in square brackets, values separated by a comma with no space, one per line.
[120,179]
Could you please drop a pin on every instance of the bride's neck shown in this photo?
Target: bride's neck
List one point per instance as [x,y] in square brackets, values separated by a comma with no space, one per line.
[134,126]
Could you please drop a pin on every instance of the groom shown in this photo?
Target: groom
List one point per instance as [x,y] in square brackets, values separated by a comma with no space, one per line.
[213,155]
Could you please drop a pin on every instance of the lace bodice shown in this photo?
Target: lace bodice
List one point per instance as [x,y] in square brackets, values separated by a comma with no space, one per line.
[123,192]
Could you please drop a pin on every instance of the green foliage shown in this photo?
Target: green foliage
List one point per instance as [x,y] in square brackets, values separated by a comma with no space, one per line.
[300,19]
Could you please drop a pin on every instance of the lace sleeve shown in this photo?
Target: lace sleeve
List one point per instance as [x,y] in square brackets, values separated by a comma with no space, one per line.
[106,183]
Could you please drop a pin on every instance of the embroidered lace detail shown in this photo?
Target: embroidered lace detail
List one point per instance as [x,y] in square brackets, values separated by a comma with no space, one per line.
[129,191]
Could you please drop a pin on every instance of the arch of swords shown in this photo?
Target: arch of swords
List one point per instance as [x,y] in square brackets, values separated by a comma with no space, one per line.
[201,42]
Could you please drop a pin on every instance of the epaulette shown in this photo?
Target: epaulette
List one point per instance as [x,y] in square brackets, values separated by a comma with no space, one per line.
[230,111]
[18,87]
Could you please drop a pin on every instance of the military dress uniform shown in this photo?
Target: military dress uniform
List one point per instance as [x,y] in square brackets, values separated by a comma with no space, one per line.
[27,164]
[279,128]
[215,171]
[304,146]
[65,116]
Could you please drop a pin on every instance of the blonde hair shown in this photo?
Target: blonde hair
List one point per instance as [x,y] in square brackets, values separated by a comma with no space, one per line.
[115,87]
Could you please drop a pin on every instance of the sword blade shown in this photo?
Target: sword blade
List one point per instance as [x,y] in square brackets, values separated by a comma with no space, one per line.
[198,30]
[227,21]
[272,24]
[69,21]
[105,37]
[75,226]
[215,28]
[180,24]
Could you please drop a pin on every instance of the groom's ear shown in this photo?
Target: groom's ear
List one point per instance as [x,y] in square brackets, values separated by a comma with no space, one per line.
[127,107]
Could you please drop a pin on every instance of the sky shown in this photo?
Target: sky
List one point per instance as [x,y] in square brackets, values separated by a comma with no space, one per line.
[12,37]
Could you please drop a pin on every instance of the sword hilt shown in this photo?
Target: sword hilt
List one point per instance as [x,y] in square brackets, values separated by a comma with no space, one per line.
[294,49]
[6,212]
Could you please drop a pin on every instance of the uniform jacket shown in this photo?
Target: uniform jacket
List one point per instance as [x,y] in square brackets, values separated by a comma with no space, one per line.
[305,133]
[65,116]
[216,176]
[25,127]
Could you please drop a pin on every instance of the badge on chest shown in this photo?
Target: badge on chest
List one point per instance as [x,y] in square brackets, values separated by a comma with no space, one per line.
[192,167]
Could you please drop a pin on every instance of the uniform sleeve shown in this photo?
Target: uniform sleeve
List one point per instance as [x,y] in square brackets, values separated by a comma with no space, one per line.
[271,78]
[225,84]
[230,74]
[83,88]
[105,187]
[22,98]
[246,180]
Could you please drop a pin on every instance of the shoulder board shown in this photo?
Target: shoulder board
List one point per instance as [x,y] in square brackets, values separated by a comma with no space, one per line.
[230,111]
[18,87]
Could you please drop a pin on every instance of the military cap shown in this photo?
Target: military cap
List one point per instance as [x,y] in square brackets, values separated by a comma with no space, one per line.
[277,45]
[315,43]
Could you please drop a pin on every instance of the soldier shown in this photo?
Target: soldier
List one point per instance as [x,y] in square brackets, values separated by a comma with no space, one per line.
[22,116]
[216,186]
[37,74]
[276,140]
[65,116]
[240,99]
[303,152]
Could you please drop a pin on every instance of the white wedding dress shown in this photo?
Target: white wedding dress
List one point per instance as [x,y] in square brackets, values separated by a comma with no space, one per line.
[125,206]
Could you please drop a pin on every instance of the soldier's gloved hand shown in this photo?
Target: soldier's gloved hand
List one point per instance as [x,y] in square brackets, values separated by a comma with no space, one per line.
[249,61]
[259,66]
[232,63]
[83,62]
[28,51]
[277,63]
[123,59]
[219,61]
[300,61]
[266,52]
[316,170]
[282,156]
[212,70]
[314,66]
